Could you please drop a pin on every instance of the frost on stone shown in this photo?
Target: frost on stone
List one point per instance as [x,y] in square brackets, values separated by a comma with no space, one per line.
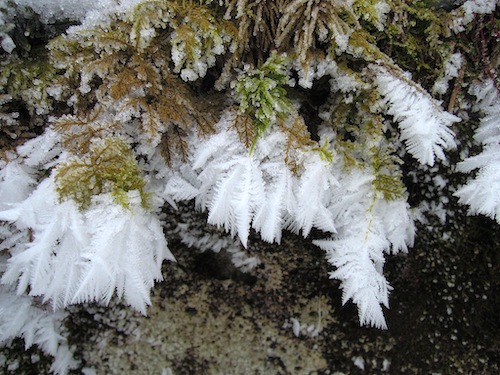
[212,239]
[310,320]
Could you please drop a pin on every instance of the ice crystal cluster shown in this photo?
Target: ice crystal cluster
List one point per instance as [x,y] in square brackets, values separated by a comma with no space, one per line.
[272,116]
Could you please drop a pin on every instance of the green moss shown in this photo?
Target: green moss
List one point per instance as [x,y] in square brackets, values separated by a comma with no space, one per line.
[349,152]
[28,80]
[109,167]
[324,152]
[261,94]
[391,187]
[388,176]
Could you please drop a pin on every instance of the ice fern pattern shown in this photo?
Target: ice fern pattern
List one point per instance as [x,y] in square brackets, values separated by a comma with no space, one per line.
[86,256]
[482,194]
[370,228]
[266,116]
[242,190]
[20,318]
[424,126]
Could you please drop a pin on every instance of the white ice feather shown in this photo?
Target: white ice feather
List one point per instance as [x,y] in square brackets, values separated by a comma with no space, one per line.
[482,193]
[424,126]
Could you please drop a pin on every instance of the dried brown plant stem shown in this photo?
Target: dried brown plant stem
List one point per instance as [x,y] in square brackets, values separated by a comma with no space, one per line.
[456,89]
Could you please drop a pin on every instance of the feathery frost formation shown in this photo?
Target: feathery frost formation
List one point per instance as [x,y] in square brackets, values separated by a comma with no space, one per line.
[76,256]
[242,190]
[270,116]
[482,193]
[19,317]
[424,126]
[370,228]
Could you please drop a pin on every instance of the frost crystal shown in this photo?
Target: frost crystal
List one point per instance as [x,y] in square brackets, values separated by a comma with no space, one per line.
[482,193]
[451,70]
[304,132]
[465,14]
[425,127]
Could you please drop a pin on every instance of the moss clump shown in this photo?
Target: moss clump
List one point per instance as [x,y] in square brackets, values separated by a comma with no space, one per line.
[261,94]
[109,167]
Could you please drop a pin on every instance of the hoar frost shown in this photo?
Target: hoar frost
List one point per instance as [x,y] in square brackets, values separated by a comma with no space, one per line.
[263,157]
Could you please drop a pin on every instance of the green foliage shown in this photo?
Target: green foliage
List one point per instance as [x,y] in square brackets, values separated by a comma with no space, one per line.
[372,11]
[29,80]
[306,25]
[324,152]
[131,63]
[109,167]
[261,94]
[256,25]
[388,176]
[193,33]
[415,37]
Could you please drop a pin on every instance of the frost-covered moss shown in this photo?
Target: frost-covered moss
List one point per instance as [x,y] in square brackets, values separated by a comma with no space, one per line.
[109,167]
[272,116]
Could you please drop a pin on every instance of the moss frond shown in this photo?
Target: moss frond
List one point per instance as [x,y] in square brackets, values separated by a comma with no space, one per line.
[324,152]
[257,26]
[127,67]
[245,128]
[349,152]
[390,186]
[174,144]
[372,11]
[78,133]
[306,24]
[109,167]
[146,17]
[261,94]
[297,137]
[28,80]
[388,176]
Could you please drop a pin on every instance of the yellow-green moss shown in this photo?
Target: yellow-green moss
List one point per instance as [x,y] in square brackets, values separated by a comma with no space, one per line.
[109,167]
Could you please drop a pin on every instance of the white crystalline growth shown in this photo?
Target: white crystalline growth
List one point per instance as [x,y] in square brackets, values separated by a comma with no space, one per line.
[482,194]
[423,124]
[465,14]
[88,12]
[452,67]
[19,317]
[52,10]
[49,11]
